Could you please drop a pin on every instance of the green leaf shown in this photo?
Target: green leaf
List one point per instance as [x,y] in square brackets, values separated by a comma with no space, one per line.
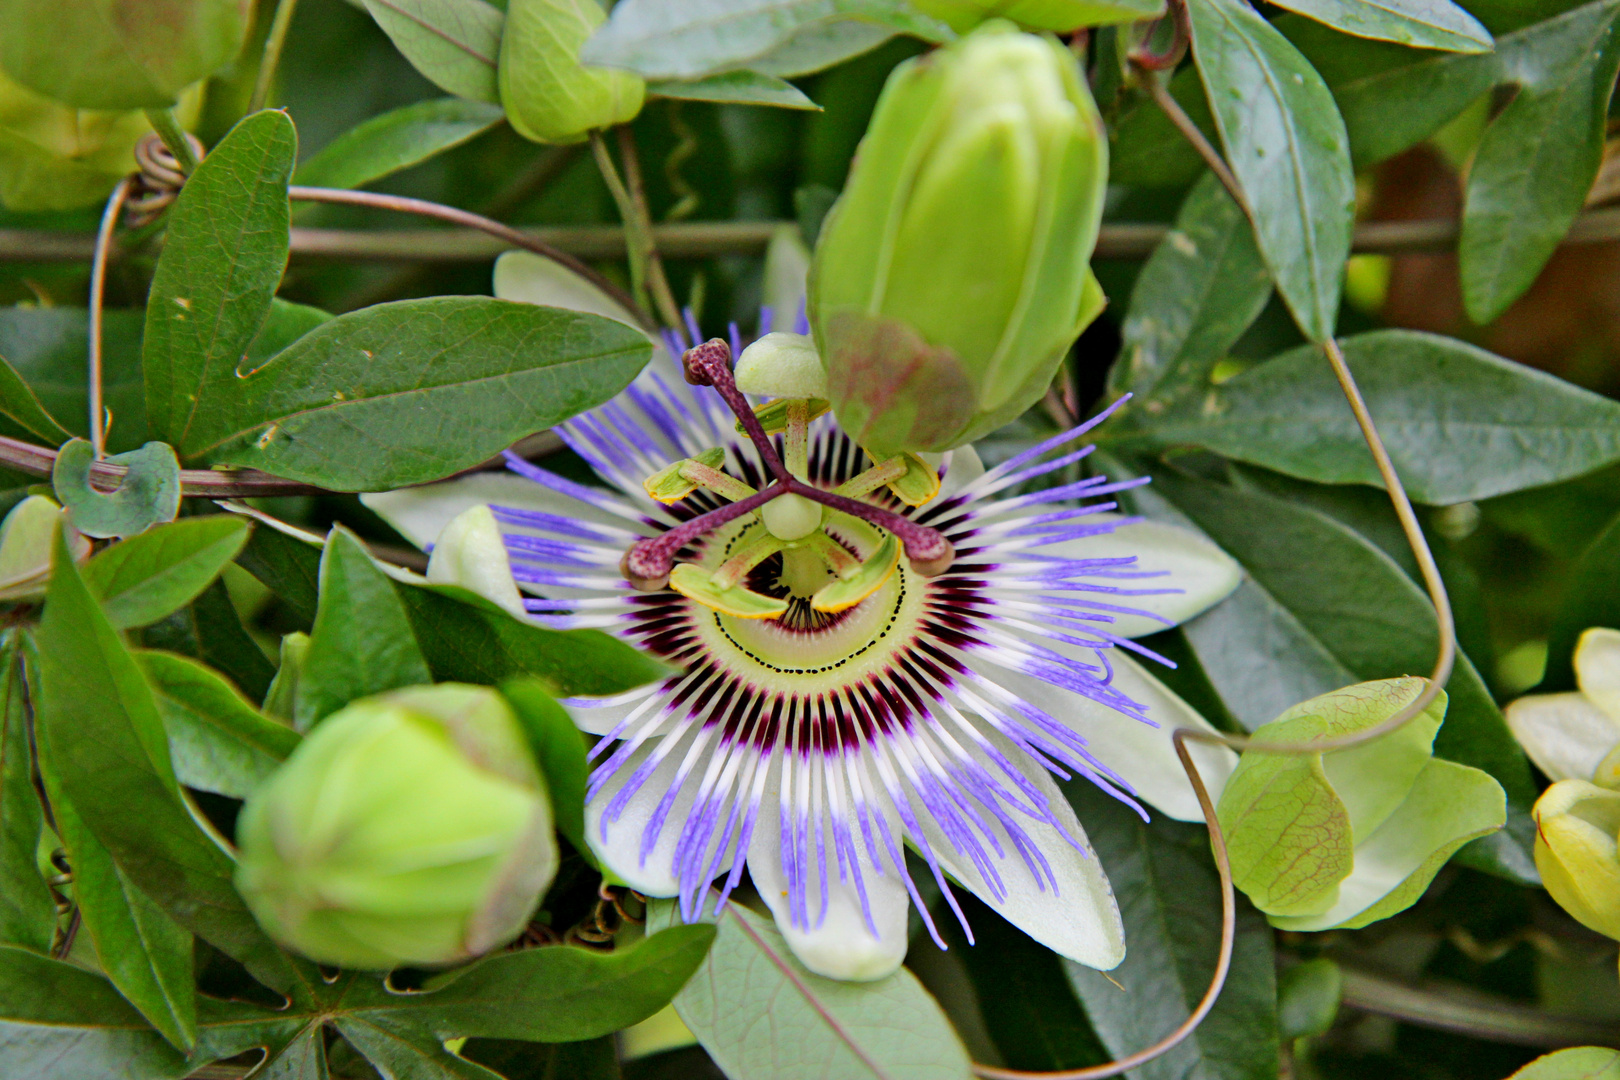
[559,750]
[149,493]
[1196,295]
[146,954]
[561,994]
[679,41]
[455,43]
[1147,150]
[47,347]
[412,391]
[99,54]
[163,569]
[101,727]
[1169,896]
[1591,599]
[1575,1063]
[1308,997]
[61,1022]
[223,257]
[362,642]
[1424,24]
[406,1052]
[19,403]
[1316,632]
[469,639]
[288,567]
[761,1014]
[210,630]
[27,908]
[593,1059]
[1459,423]
[1537,159]
[736,88]
[396,140]
[1286,143]
[219,742]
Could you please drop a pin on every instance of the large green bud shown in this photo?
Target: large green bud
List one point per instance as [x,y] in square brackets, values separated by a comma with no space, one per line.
[549,96]
[408,828]
[1059,15]
[952,275]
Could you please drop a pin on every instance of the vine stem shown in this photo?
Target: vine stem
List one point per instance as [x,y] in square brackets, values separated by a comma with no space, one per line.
[646,269]
[1172,109]
[98,288]
[512,236]
[168,128]
[270,59]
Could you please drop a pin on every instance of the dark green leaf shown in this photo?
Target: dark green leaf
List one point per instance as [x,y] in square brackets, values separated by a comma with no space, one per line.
[559,750]
[218,740]
[594,1059]
[27,909]
[18,402]
[679,41]
[1287,145]
[222,260]
[61,1022]
[46,346]
[151,575]
[146,954]
[1146,147]
[562,994]
[751,988]
[1169,896]
[1593,599]
[735,87]
[288,567]
[1458,422]
[1429,24]
[396,140]
[1197,294]
[455,43]
[362,642]
[304,1058]
[1308,998]
[1537,159]
[406,1052]
[148,494]
[1304,629]
[105,738]
[210,630]
[468,639]
[412,391]
[284,324]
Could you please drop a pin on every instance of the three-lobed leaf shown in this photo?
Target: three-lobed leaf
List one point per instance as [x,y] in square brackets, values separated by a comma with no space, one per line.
[1287,144]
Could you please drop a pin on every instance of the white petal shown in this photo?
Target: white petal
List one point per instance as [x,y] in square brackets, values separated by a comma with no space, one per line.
[1597,669]
[965,466]
[470,553]
[1203,573]
[619,847]
[601,716]
[787,266]
[534,279]
[421,513]
[1564,734]
[1141,755]
[1079,918]
[840,946]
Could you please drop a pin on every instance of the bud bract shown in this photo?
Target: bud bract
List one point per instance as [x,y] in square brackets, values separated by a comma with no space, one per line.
[92,54]
[1576,735]
[952,275]
[1059,15]
[1577,825]
[549,96]
[408,828]
[55,157]
[25,549]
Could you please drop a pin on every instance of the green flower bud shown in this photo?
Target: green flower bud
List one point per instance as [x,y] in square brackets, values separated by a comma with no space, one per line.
[407,828]
[951,276]
[54,157]
[1577,825]
[1059,15]
[549,96]
[102,54]
[25,549]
